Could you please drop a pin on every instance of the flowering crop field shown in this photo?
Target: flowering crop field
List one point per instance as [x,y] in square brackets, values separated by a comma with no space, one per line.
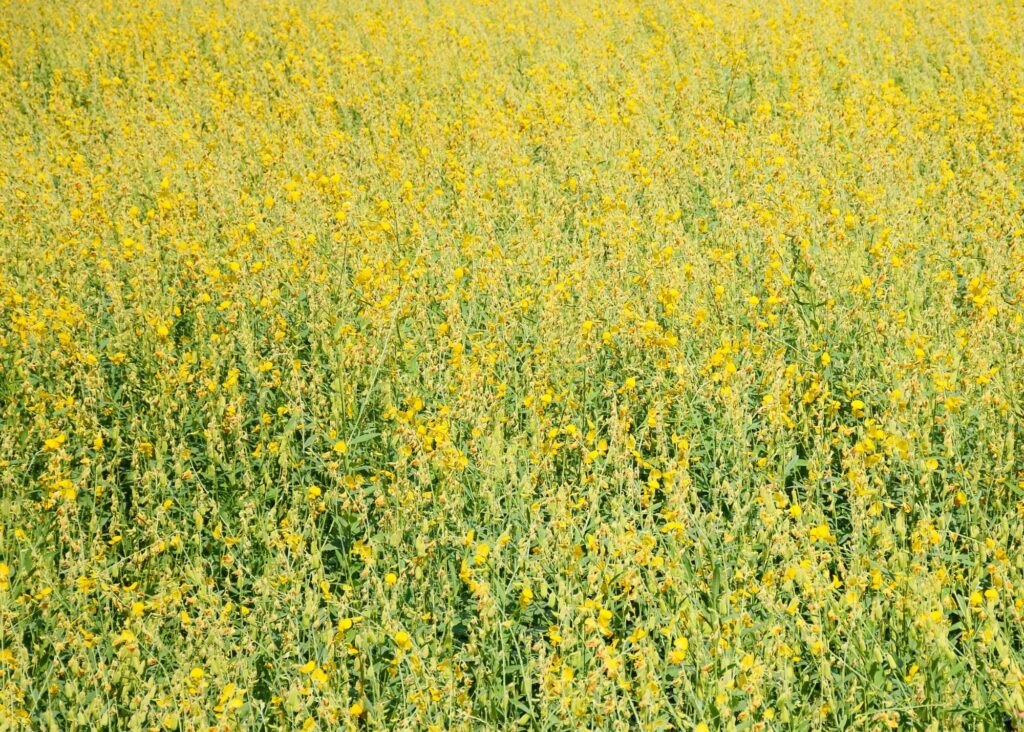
[526,365]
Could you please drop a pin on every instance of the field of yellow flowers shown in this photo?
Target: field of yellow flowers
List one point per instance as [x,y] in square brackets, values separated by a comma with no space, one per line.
[512,365]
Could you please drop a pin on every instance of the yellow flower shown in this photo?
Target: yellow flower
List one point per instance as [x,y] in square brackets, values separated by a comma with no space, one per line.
[821,533]
[403,640]
[525,597]
[341,447]
[679,648]
[126,638]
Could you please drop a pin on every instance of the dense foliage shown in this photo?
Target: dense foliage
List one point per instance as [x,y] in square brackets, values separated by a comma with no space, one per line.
[592,364]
